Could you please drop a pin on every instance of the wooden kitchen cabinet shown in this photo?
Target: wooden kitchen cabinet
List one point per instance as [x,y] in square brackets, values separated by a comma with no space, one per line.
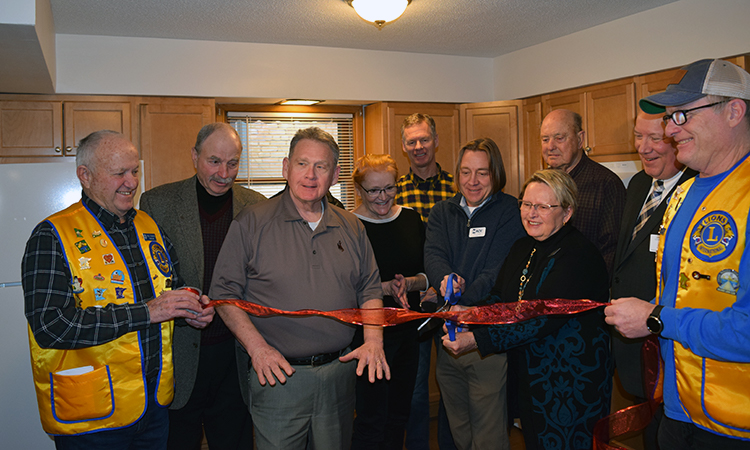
[383,131]
[30,128]
[531,118]
[83,118]
[498,121]
[656,82]
[609,121]
[608,113]
[34,127]
[168,128]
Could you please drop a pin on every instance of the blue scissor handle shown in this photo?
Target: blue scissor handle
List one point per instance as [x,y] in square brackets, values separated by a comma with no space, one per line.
[451,298]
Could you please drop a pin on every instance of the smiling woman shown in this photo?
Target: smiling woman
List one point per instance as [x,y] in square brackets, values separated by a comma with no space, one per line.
[397,237]
[563,379]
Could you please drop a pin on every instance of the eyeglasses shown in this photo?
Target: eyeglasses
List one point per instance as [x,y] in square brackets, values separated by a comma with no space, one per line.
[390,190]
[542,208]
[679,117]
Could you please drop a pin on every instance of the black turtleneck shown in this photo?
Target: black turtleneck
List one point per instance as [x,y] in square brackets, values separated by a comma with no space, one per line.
[215,215]
[209,203]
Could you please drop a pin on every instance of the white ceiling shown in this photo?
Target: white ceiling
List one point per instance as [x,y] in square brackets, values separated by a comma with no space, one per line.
[482,28]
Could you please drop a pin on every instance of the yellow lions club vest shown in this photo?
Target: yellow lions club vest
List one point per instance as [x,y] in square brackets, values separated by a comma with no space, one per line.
[101,387]
[714,394]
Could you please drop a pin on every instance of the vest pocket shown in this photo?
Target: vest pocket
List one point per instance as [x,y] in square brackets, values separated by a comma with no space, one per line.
[723,405]
[82,397]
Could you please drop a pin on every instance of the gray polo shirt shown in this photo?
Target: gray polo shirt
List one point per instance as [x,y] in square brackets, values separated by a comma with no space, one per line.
[271,257]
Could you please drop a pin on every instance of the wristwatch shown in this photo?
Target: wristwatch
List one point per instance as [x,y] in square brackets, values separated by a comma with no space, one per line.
[654,323]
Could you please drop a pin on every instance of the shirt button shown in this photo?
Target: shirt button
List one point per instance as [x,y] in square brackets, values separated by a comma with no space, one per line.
[315,252]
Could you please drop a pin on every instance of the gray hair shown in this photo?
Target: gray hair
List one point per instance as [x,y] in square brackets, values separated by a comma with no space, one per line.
[318,135]
[416,119]
[88,145]
[209,129]
[577,122]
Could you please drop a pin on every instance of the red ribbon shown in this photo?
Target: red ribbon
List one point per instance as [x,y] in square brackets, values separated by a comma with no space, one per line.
[499,313]
[637,417]
[628,420]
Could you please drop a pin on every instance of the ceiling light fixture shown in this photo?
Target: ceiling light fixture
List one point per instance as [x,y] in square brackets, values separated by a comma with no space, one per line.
[379,12]
[299,102]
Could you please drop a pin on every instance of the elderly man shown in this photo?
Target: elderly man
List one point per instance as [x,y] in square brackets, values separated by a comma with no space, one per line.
[97,281]
[424,185]
[601,194]
[196,214]
[635,269]
[702,304]
[293,252]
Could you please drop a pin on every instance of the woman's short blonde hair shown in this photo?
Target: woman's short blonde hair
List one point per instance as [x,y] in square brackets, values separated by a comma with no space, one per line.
[377,163]
[561,184]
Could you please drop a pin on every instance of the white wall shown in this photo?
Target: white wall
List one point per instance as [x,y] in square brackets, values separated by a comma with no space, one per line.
[669,36]
[145,66]
[17,12]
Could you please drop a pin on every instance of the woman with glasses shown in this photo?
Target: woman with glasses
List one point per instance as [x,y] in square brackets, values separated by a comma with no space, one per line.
[469,235]
[561,364]
[397,236]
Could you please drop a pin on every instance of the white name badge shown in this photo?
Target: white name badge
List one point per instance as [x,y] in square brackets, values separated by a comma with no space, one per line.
[653,244]
[477,232]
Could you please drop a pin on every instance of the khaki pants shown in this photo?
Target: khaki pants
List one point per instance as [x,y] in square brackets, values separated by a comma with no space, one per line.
[473,390]
[315,405]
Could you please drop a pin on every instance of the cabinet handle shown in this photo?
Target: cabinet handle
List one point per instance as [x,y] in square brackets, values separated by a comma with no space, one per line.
[57,150]
[68,149]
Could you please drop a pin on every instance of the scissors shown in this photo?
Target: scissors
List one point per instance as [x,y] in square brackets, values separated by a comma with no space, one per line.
[451,299]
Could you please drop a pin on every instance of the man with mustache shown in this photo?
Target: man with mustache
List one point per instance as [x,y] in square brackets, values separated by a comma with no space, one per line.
[196,214]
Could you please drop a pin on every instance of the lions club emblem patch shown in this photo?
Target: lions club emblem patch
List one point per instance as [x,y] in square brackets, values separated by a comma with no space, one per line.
[714,237]
[161,259]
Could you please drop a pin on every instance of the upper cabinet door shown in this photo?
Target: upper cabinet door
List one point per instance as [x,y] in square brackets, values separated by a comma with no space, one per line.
[31,128]
[531,156]
[83,118]
[499,122]
[610,116]
[608,113]
[168,132]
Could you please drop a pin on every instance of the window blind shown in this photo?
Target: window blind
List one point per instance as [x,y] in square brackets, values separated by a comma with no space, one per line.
[265,143]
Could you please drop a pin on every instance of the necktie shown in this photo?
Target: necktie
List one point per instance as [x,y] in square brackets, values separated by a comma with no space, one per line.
[649,207]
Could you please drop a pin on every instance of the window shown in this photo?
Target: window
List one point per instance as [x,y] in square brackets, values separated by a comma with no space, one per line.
[265,142]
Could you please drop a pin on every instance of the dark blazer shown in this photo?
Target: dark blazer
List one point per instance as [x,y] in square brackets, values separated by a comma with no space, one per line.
[635,273]
[174,207]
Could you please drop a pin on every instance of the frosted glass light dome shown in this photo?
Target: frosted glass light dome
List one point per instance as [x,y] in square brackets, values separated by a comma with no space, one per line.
[380,11]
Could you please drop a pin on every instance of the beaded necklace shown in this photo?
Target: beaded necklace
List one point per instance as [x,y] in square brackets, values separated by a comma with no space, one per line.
[524,279]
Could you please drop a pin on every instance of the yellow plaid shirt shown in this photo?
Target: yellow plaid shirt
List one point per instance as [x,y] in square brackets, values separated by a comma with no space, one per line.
[421,195]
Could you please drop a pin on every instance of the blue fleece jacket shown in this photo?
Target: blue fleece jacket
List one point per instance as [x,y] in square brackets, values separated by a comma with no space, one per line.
[472,247]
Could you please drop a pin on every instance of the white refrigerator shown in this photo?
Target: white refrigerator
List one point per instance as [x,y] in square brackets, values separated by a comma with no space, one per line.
[28,194]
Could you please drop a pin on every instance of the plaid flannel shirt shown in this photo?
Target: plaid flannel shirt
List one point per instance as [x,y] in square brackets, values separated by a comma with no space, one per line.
[421,195]
[50,305]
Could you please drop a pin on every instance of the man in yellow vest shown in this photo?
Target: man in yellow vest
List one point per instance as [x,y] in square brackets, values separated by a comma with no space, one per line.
[97,280]
[701,310]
